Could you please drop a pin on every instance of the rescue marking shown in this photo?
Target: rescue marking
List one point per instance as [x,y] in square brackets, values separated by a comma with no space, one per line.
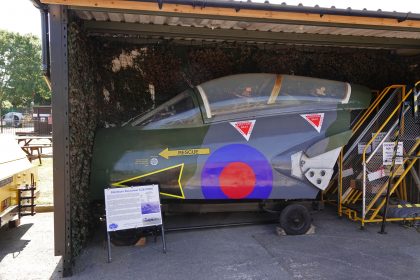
[315,120]
[182,196]
[244,128]
[187,152]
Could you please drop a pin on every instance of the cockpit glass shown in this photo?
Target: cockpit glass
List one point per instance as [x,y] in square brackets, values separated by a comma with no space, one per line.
[253,92]
[179,111]
[238,93]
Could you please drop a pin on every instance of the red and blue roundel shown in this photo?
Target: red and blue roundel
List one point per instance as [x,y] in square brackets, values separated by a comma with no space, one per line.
[236,171]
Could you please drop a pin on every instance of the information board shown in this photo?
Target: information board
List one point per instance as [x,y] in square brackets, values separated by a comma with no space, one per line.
[378,139]
[361,146]
[388,152]
[132,207]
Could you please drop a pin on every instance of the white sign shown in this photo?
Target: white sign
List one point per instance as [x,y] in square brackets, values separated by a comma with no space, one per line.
[361,146]
[378,139]
[347,172]
[388,152]
[132,207]
[376,175]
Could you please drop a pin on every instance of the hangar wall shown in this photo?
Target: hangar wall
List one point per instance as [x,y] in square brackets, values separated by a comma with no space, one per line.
[110,81]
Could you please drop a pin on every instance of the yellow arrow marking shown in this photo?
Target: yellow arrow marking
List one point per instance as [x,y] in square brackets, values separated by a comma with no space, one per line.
[187,152]
[182,196]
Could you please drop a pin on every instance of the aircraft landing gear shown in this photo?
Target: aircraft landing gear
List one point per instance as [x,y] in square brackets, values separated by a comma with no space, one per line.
[295,219]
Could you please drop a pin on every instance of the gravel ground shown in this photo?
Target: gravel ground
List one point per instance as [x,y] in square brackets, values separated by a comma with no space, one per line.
[45,181]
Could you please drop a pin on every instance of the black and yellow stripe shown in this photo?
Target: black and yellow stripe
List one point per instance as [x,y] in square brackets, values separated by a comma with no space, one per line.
[408,205]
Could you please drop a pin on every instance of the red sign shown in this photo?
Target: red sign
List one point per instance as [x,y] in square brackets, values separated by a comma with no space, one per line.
[315,120]
[244,128]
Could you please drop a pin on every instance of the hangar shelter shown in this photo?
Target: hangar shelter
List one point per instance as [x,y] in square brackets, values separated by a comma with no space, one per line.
[108,61]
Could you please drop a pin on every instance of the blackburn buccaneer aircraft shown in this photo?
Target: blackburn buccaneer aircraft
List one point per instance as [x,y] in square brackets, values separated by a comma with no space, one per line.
[247,136]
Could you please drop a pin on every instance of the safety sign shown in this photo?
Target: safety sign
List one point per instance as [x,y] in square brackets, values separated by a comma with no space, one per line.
[378,139]
[315,120]
[244,128]
[361,147]
[388,152]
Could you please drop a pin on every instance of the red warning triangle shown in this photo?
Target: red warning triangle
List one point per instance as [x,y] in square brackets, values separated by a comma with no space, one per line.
[315,120]
[244,128]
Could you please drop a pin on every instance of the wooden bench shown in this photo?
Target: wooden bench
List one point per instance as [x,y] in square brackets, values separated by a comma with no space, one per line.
[30,149]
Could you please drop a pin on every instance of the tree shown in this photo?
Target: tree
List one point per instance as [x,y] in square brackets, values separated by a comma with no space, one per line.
[20,70]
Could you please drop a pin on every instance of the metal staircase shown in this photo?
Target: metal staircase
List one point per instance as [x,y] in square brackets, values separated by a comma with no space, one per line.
[361,187]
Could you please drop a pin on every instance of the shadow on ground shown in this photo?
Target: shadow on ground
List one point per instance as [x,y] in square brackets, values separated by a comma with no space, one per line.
[338,250]
[27,252]
[11,241]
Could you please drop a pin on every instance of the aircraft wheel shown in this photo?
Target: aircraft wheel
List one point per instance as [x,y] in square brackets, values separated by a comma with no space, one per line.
[295,219]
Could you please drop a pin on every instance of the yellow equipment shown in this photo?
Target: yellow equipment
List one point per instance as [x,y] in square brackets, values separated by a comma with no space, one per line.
[15,172]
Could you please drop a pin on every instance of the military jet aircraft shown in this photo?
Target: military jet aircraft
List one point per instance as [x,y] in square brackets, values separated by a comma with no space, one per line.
[240,137]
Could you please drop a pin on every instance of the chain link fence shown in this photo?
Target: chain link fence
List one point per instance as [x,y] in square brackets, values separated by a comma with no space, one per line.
[39,122]
[352,169]
[378,164]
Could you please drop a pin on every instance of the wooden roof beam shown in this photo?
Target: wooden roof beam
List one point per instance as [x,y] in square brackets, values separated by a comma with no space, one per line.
[232,14]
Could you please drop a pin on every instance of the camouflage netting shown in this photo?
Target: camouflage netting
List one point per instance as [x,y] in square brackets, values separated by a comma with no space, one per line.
[82,122]
[112,81]
[128,71]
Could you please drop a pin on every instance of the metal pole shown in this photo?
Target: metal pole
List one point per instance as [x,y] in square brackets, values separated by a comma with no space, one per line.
[109,247]
[163,238]
[363,196]
[1,120]
[391,172]
[340,184]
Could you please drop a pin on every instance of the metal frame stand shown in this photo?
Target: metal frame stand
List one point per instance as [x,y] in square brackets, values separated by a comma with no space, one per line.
[109,255]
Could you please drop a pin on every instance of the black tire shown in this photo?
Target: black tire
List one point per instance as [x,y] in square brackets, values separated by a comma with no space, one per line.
[295,219]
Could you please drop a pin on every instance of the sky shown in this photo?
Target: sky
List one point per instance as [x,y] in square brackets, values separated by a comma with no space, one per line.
[21,16]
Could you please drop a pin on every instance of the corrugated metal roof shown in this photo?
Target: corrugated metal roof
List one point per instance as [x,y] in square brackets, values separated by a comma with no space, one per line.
[243,25]
[386,26]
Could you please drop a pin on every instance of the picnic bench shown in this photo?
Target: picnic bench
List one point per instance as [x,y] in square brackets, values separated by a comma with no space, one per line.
[34,150]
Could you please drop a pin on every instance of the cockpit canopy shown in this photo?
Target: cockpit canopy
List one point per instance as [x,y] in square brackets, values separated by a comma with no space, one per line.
[250,95]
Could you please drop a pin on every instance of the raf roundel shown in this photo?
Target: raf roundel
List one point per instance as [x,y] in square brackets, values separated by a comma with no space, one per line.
[236,171]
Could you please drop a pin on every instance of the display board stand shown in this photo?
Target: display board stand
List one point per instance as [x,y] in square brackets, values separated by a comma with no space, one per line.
[131,208]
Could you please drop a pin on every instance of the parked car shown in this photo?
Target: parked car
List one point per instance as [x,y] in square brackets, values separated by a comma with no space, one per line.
[14,119]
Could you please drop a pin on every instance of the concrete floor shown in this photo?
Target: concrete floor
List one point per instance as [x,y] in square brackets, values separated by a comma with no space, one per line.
[26,252]
[338,250]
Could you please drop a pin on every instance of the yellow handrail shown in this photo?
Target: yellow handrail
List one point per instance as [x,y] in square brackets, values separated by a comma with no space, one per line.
[385,123]
[375,104]
[405,96]
[393,188]
[382,189]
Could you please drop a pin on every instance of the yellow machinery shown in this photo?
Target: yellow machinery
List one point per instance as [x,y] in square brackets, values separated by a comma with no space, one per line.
[367,174]
[17,176]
